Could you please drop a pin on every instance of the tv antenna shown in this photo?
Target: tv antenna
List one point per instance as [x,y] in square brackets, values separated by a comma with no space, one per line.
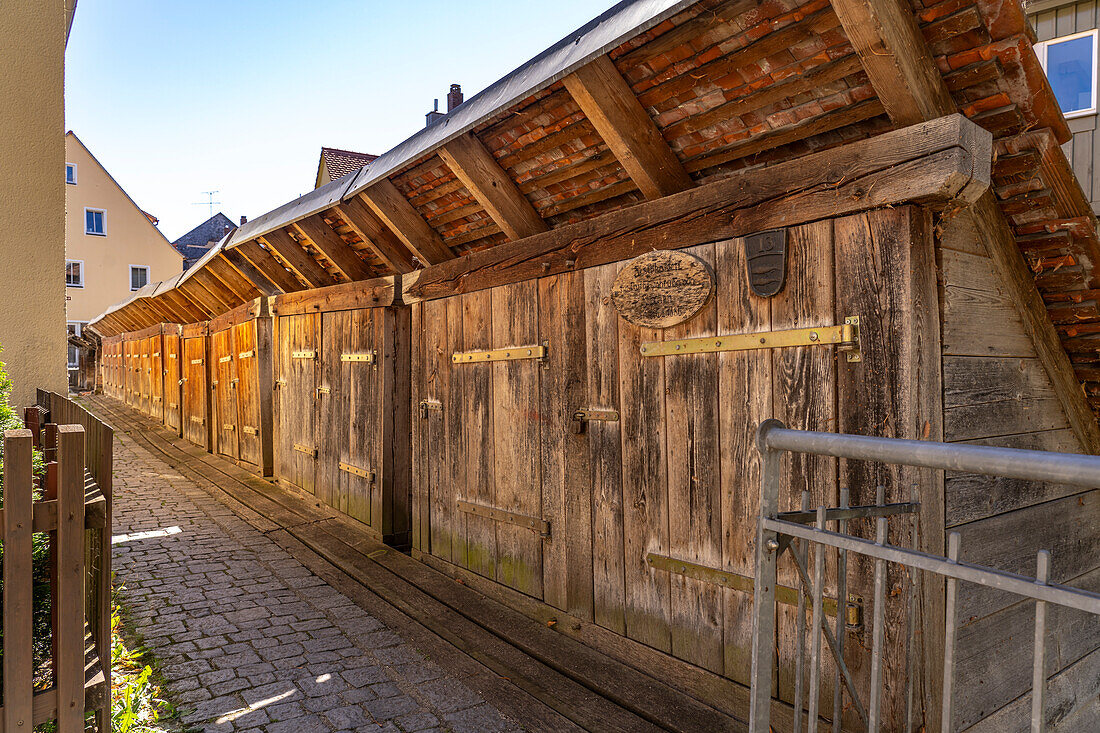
[210,202]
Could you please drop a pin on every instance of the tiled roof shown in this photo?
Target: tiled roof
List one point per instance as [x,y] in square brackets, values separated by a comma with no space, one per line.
[197,242]
[339,163]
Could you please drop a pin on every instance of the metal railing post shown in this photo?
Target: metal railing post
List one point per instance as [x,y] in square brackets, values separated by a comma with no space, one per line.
[763,597]
[1038,672]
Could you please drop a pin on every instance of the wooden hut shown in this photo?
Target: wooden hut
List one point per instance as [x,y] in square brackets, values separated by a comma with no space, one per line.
[615,262]
[240,408]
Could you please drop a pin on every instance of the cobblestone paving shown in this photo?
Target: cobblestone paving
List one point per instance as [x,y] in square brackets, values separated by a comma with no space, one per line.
[251,640]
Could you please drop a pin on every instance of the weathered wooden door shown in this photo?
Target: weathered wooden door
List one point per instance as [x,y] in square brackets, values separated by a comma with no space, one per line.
[349,410]
[195,391]
[246,373]
[146,375]
[156,378]
[172,376]
[225,394]
[131,367]
[297,340]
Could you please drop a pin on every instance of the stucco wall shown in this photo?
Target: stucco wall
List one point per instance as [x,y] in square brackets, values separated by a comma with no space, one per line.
[130,238]
[32,196]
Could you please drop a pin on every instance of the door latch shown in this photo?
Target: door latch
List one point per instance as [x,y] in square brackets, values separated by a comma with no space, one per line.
[581,418]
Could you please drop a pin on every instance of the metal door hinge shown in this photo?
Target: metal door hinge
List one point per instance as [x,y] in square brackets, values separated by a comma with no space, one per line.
[156,353]
[248,430]
[845,337]
[581,417]
[369,475]
[229,427]
[324,390]
[367,358]
[224,359]
[312,452]
[280,383]
[304,354]
[541,526]
[426,405]
[246,354]
[511,354]
[196,362]
[199,420]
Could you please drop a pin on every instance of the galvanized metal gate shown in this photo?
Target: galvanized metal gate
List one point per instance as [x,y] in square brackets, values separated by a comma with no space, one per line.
[802,531]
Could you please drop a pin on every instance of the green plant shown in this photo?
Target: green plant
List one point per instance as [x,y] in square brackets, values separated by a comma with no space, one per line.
[137,697]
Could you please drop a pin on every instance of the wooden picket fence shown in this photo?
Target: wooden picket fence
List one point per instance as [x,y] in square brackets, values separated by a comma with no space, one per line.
[75,511]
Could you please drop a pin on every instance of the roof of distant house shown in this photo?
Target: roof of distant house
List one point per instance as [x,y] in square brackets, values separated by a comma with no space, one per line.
[339,163]
[196,242]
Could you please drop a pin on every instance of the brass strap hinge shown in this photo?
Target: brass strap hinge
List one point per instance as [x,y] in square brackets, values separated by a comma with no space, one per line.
[783,594]
[512,354]
[312,452]
[196,362]
[224,359]
[246,354]
[171,356]
[367,358]
[499,515]
[144,356]
[198,420]
[369,475]
[248,430]
[324,390]
[156,353]
[229,427]
[845,337]
[305,354]
[156,398]
[426,405]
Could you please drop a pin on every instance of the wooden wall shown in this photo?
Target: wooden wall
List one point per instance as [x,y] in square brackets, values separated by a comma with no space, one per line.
[996,392]
[1083,151]
[173,376]
[196,391]
[677,474]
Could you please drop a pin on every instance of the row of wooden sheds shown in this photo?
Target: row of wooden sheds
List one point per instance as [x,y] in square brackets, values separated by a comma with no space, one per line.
[533,342]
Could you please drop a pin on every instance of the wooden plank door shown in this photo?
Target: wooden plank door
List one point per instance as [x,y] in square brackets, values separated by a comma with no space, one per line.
[297,342]
[156,378]
[129,372]
[194,391]
[172,376]
[146,376]
[246,374]
[225,394]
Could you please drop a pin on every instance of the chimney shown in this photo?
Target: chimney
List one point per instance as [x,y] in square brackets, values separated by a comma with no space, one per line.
[244,220]
[454,97]
[434,115]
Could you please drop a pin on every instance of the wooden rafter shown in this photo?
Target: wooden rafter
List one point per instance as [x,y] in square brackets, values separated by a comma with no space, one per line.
[299,260]
[234,282]
[377,235]
[224,298]
[195,310]
[266,263]
[608,102]
[178,312]
[158,307]
[200,297]
[250,272]
[492,187]
[399,215]
[333,247]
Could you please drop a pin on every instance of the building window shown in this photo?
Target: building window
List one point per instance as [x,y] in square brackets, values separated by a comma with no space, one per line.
[74,356]
[70,173]
[74,273]
[139,277]
[1070,63]
[93,222]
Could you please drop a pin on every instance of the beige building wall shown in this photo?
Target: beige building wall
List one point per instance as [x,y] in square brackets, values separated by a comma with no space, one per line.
[129,238]
[32,192]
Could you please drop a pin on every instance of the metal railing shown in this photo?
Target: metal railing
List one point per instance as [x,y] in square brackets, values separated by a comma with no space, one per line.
[778,532]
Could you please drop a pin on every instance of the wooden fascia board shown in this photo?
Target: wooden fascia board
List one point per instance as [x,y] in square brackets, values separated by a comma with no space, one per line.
[493,188]
[391,206]
[619,118]
[333,247]
[265,262]
[250,272]
[299,260]
[375,233]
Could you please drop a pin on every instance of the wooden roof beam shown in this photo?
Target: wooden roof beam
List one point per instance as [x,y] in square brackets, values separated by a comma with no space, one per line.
[250,272]
[200,297]
[299,260]
[330,244]
[610,105]
[272,269]
[172,307]
[232,280]
[223,298]
[194,310]
[159,309]
[375,234]
[493,188]
[405,221]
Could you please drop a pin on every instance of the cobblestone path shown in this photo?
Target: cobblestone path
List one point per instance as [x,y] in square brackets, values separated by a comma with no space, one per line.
[250,639]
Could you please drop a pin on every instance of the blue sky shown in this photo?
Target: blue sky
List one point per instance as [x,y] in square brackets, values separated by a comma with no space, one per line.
[177,98]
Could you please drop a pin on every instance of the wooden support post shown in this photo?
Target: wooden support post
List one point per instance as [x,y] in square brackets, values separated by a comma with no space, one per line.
[492,187]
[18,588]
[619,118]
[70,579]
[377,235]
[264,359]
[299,260]
[332,246]
[399,215]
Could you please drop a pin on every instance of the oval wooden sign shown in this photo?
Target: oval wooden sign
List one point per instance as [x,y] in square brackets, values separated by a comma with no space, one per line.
[662,289]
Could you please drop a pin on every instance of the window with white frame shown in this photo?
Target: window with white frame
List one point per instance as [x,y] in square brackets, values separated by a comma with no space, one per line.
[74,273]
[70,173]
[94,222]
[139,276]
[1070,63]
